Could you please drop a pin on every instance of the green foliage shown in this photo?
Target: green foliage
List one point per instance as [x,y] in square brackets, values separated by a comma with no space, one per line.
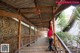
[77,12]
[77,15]
[77,39]
[66,37]
[62,22]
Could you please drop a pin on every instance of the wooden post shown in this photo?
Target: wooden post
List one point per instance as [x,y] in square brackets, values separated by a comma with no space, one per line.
[19,30]
[34,34]
[30,33]
[34,31]
[19,34]
[54,30]
[37,33]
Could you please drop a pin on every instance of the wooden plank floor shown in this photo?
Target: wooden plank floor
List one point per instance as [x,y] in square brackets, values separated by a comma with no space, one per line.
[40,46]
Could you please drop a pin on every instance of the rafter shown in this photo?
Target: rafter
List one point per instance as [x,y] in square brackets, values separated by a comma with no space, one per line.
[40,23]
[8,5]
[39,20]
[37,7]
[8,14]
[36,12]
[60,7]
[39,10]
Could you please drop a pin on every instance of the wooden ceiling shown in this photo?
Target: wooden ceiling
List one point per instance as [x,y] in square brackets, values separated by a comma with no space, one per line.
[38,12]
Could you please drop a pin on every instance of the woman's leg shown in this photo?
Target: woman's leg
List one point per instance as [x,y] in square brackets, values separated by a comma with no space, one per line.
[50,44]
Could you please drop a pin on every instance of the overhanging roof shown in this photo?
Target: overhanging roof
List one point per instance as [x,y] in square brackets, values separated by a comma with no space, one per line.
[38,12]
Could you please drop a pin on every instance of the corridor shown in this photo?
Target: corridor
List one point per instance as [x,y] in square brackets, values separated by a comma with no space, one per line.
[21,22]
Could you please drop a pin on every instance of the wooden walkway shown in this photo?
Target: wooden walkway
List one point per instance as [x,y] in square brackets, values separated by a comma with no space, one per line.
[40,46]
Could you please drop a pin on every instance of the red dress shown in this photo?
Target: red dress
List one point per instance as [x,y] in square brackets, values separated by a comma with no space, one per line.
[50,32]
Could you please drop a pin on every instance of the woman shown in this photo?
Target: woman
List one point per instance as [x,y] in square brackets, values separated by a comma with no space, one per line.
[50,35]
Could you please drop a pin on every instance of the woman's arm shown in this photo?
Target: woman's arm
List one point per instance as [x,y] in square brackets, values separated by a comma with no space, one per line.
[51,23]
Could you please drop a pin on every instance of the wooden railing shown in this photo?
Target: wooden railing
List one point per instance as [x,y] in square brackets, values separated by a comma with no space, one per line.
[27,40]
[60,45]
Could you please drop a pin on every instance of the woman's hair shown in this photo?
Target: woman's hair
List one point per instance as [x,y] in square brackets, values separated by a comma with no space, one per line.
[49,24]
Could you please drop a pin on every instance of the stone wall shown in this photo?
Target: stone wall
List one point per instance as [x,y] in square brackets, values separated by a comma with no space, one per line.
[9,33]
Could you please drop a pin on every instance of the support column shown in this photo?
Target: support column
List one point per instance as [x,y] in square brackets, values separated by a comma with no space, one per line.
[54,30]
[34,34]
[37,33]
[30,33]
[34,31]
[19,30]
[19,34]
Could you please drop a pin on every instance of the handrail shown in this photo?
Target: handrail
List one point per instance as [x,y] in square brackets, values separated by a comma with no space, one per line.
[63,44]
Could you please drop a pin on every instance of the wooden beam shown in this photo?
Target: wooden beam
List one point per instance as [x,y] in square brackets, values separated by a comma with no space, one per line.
[60,8]
[19,34]
[9,14]
[42,26]
[37,7]
[8,5]
[35,12]
[27,21]
[56,8]
[38,10]
[54,30]
[40,23]
[39,20]
[30,33]
[28,12]
[34,18]
[46,19]
[13,15]
[34,31]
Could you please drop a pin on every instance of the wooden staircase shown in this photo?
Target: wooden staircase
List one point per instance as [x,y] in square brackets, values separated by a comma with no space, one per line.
[40,46]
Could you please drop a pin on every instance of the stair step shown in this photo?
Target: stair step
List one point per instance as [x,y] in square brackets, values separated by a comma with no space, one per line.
[37,52]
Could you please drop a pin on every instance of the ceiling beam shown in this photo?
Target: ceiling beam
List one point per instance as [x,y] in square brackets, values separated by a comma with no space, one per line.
[8,5]
[37,7]
[39,20]
[61,8]
[41,23]
[38,10]
[43,26]
[28,12]
[34,18]
[34,12]
[9,14]
[26,20]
